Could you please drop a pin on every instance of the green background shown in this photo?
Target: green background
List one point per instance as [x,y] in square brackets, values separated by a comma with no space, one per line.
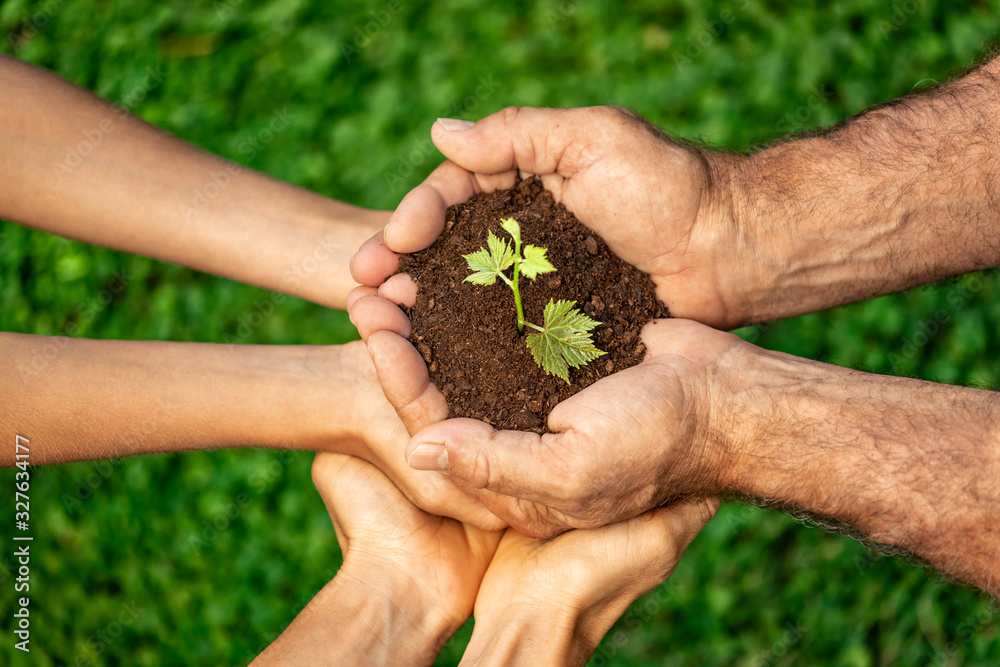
[361,119]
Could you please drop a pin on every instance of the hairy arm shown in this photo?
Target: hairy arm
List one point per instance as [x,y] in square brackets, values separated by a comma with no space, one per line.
[79,399]
[908,463]
[903,194]
[75,165]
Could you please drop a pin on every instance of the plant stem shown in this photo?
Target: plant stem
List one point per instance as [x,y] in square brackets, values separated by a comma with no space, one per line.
[513,285]
[535,327]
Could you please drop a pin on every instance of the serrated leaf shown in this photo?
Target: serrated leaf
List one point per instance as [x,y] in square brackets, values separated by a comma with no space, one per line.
[511,226]
[488,265]
[535,262]
[564,341]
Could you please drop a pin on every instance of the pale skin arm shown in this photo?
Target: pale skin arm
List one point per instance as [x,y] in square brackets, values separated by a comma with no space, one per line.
[550,602]
[79,400]
[104,399]
[408,581]
[75,165]
[350,622]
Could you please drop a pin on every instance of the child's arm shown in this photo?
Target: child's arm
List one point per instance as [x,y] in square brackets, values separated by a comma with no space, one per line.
[76,165]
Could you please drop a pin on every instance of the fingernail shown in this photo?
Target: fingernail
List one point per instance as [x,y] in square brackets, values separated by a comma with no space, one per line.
[429,457]
[454,125]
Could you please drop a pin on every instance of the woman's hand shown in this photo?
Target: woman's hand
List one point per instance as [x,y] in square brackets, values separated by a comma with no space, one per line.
[408,582]
[551,601]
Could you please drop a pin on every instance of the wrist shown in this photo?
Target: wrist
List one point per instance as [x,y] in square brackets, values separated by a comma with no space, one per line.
[363,616]
[525,634]
[405,617]
[326,235]
[745,271]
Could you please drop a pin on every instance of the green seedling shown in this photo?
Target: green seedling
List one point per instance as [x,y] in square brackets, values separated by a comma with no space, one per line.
[564,340]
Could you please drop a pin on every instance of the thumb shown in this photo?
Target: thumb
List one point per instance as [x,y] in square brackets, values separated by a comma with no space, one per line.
[538,141]
[509,463]
[403,375]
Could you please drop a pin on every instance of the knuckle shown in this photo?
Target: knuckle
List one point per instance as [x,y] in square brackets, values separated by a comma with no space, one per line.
[480,471]
[573,480]
[509,115]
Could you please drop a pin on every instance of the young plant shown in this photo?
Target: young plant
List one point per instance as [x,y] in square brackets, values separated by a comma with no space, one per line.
[564,340]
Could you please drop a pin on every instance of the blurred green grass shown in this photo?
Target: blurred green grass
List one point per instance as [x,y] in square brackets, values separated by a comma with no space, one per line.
[756,588]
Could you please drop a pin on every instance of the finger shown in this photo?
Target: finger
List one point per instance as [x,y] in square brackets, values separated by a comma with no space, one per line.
[374,262]
[419,219]
[400,289]
[358,292]
[326,469]
[538,141]
[527,518]
[683,520]
[372,313]
[407,386]
[511,463]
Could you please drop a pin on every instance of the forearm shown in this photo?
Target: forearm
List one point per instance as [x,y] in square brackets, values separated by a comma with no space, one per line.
[553,632]
[355,621]
[516,638]
[902,195]
[79,399]
[75,165]
[909,463]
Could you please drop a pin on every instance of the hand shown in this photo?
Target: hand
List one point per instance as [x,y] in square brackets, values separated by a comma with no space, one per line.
[658,205]
[441,559]
[408,582]
[620,447]
[380,438]
[552,601]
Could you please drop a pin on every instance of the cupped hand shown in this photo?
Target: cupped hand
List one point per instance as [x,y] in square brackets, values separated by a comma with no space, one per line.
[386,538]
[553,600]
[622,446]
[659,205]
[380,438]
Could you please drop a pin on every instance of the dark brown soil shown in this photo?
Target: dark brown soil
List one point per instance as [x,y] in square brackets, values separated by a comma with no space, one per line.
[468,334]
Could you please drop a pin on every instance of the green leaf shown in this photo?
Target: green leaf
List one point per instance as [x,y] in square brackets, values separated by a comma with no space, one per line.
[488,265]
[511,227]
[564,341]
[535,262]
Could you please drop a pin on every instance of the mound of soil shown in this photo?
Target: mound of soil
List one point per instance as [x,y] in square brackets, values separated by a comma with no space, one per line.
[468,333]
